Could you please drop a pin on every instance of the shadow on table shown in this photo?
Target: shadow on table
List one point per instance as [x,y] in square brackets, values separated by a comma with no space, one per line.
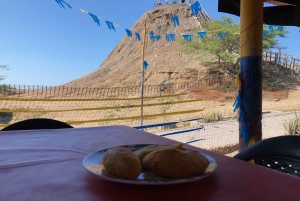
[185,191]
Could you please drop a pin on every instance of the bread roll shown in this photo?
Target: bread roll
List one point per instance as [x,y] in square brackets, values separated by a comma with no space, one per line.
[122,162]
[141,153]
[174,163]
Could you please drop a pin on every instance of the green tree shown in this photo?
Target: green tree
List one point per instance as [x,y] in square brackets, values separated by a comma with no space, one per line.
[227,49]
[3,67]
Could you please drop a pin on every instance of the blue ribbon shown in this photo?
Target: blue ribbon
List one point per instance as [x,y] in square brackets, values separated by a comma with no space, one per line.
[175,20]
[170,37]
[237,102]
[245,131]
[159,27]
[195,8]
[95,18]
[137,36]
[110,25]
[188,37]
[60,3]
[129,33]
[201,34]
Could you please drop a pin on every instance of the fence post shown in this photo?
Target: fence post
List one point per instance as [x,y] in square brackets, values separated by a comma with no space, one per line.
[292,63]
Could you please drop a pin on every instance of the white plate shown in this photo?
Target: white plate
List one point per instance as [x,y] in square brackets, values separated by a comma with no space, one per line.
[93,164]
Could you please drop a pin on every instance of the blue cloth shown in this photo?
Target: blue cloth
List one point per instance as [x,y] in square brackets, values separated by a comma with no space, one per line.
[221,35]
[201,34]
[137,36]
[129,33]
[110,25]
[95,18]
[145,65]
[60,3]
[175,20]
[170,37]
[195,8]
[159,27]
[188,37]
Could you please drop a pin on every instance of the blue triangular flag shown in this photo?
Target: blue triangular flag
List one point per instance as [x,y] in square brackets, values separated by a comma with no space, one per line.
[271,28]
[145,65]
[170,37]
[280,28]
[137,36]
[188,37]
[265,33]
[157,37]
[221,35]
[201,34]
[175,20]
[60,3]
[152,36]
[129,33]
[195,8]
[95,18]
[110,25]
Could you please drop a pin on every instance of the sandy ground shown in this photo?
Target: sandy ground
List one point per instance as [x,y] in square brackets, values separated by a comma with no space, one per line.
[220,134]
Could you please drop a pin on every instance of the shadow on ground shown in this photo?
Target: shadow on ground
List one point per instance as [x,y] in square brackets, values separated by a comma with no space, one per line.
[5,117]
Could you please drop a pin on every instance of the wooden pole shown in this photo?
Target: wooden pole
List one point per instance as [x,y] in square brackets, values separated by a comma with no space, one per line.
[143,74]
[251,67]
[286,60]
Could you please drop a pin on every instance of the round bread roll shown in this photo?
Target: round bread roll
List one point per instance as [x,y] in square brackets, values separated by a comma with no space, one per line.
[174,163]
[122,162]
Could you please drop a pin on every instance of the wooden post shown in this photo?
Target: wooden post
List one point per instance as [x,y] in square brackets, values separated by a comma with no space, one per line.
[251,16]
[143,74]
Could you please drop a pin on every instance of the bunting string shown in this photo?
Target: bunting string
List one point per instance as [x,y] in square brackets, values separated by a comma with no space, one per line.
[195,9]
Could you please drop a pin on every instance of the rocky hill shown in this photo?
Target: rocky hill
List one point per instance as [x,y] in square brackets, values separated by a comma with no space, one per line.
[166,62]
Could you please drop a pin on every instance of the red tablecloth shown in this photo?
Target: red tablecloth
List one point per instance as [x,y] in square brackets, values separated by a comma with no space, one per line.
[47,165]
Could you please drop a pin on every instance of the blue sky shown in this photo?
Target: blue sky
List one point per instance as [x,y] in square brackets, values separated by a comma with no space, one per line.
[44,44]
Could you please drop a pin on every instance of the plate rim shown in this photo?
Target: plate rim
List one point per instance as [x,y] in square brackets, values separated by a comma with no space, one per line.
[141,182]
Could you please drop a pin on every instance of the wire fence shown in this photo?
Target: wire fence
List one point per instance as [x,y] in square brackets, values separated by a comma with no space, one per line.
[199,112]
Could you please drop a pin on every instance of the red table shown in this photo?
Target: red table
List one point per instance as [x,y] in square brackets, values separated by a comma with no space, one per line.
[47,165]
